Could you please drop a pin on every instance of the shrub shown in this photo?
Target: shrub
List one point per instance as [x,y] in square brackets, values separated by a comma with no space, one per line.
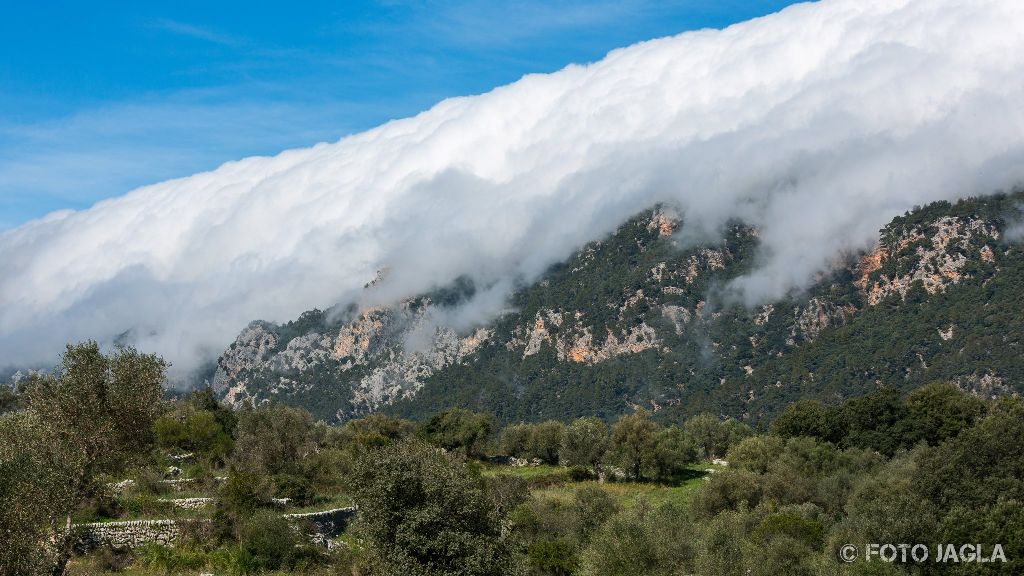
[546,441]
[113,559]
[515,440]
[460,430]
[580,473]
[298,489]
[592,507]
[266,541]
[552,556]
[507,491]
[169,560]
[422,513]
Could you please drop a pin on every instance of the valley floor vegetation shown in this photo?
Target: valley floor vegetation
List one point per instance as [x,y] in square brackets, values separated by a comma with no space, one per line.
[453,495]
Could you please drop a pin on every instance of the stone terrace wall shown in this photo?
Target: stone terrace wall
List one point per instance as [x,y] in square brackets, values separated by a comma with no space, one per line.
[126,534]
[325,524]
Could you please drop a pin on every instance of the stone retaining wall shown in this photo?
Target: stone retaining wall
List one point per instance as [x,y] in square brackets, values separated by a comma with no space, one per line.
[126,534]
[324,524]
[187,503]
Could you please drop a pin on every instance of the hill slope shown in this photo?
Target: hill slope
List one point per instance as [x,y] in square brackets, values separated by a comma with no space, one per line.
[642,319]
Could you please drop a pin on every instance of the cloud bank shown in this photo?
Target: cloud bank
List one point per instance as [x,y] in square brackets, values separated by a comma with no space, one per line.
[818,124]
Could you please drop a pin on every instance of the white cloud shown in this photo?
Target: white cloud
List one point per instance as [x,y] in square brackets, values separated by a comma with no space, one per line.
[819,124]
[197,32]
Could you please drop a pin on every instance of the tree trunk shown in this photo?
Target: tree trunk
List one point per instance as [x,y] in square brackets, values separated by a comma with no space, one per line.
[63,543]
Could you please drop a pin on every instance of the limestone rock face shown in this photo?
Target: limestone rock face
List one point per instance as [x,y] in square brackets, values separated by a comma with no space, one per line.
[651,314]
[934,254]
[574,341]
[384,352]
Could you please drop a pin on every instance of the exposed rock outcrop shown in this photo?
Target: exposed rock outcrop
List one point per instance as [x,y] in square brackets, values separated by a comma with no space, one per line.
[938,254]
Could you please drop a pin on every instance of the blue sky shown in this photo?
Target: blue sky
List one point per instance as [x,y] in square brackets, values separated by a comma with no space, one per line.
[97,98]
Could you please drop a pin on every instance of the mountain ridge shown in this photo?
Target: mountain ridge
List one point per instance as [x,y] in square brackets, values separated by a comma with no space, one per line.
[641,319]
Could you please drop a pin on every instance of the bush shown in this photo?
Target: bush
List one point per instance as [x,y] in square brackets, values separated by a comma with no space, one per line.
[459,430]
[641,540]
[169,560]
[552,556]
[592,507]
[756,453]
[113,559]
[516,439]
[422,513]
[266,541]
[580,473]
[150,482]
[273,439]
[98,507]
[546,441]
[507,491]
[244,492]
[727,490]
[296,488]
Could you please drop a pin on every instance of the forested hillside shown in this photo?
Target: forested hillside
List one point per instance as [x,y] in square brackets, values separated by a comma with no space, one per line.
[93,452]
[645,318]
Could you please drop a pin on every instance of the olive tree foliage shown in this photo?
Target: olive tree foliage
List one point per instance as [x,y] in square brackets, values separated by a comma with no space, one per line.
[673,450]
[8,399]
[457,429]
[371,432]
[542,441]
[423,514]
[757,453]
[103,405]
[36,492]
[714,436]
[642,540]
[633,441]
[93,417]
[547,441]
[585,443]
[273,439]
[516,439]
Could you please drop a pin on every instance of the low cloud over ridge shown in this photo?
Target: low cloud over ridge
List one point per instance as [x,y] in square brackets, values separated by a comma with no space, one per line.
[818,123]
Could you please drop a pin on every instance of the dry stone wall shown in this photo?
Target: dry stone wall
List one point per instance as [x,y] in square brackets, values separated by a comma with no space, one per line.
[126,534]
[323,525]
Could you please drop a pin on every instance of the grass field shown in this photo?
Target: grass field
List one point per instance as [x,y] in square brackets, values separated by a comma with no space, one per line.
[548,481]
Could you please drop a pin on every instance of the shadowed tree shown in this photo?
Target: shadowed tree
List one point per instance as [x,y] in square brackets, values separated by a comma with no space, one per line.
[585,443]
[99,410]
[423,514]
[633,441]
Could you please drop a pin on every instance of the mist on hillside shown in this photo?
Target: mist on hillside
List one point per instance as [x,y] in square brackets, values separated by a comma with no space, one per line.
[817,124]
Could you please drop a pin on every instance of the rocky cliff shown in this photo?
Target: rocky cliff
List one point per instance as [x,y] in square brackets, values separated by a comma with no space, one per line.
[642,318]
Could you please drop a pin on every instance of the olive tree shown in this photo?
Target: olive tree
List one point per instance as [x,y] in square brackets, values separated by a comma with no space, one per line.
[273,439]
[98,412]
[585,443]
[36,492]
[422,514]
[546,441]
[457,429]
[633,442]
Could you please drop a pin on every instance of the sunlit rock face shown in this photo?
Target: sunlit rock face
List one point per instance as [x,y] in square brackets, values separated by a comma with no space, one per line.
[645,317]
